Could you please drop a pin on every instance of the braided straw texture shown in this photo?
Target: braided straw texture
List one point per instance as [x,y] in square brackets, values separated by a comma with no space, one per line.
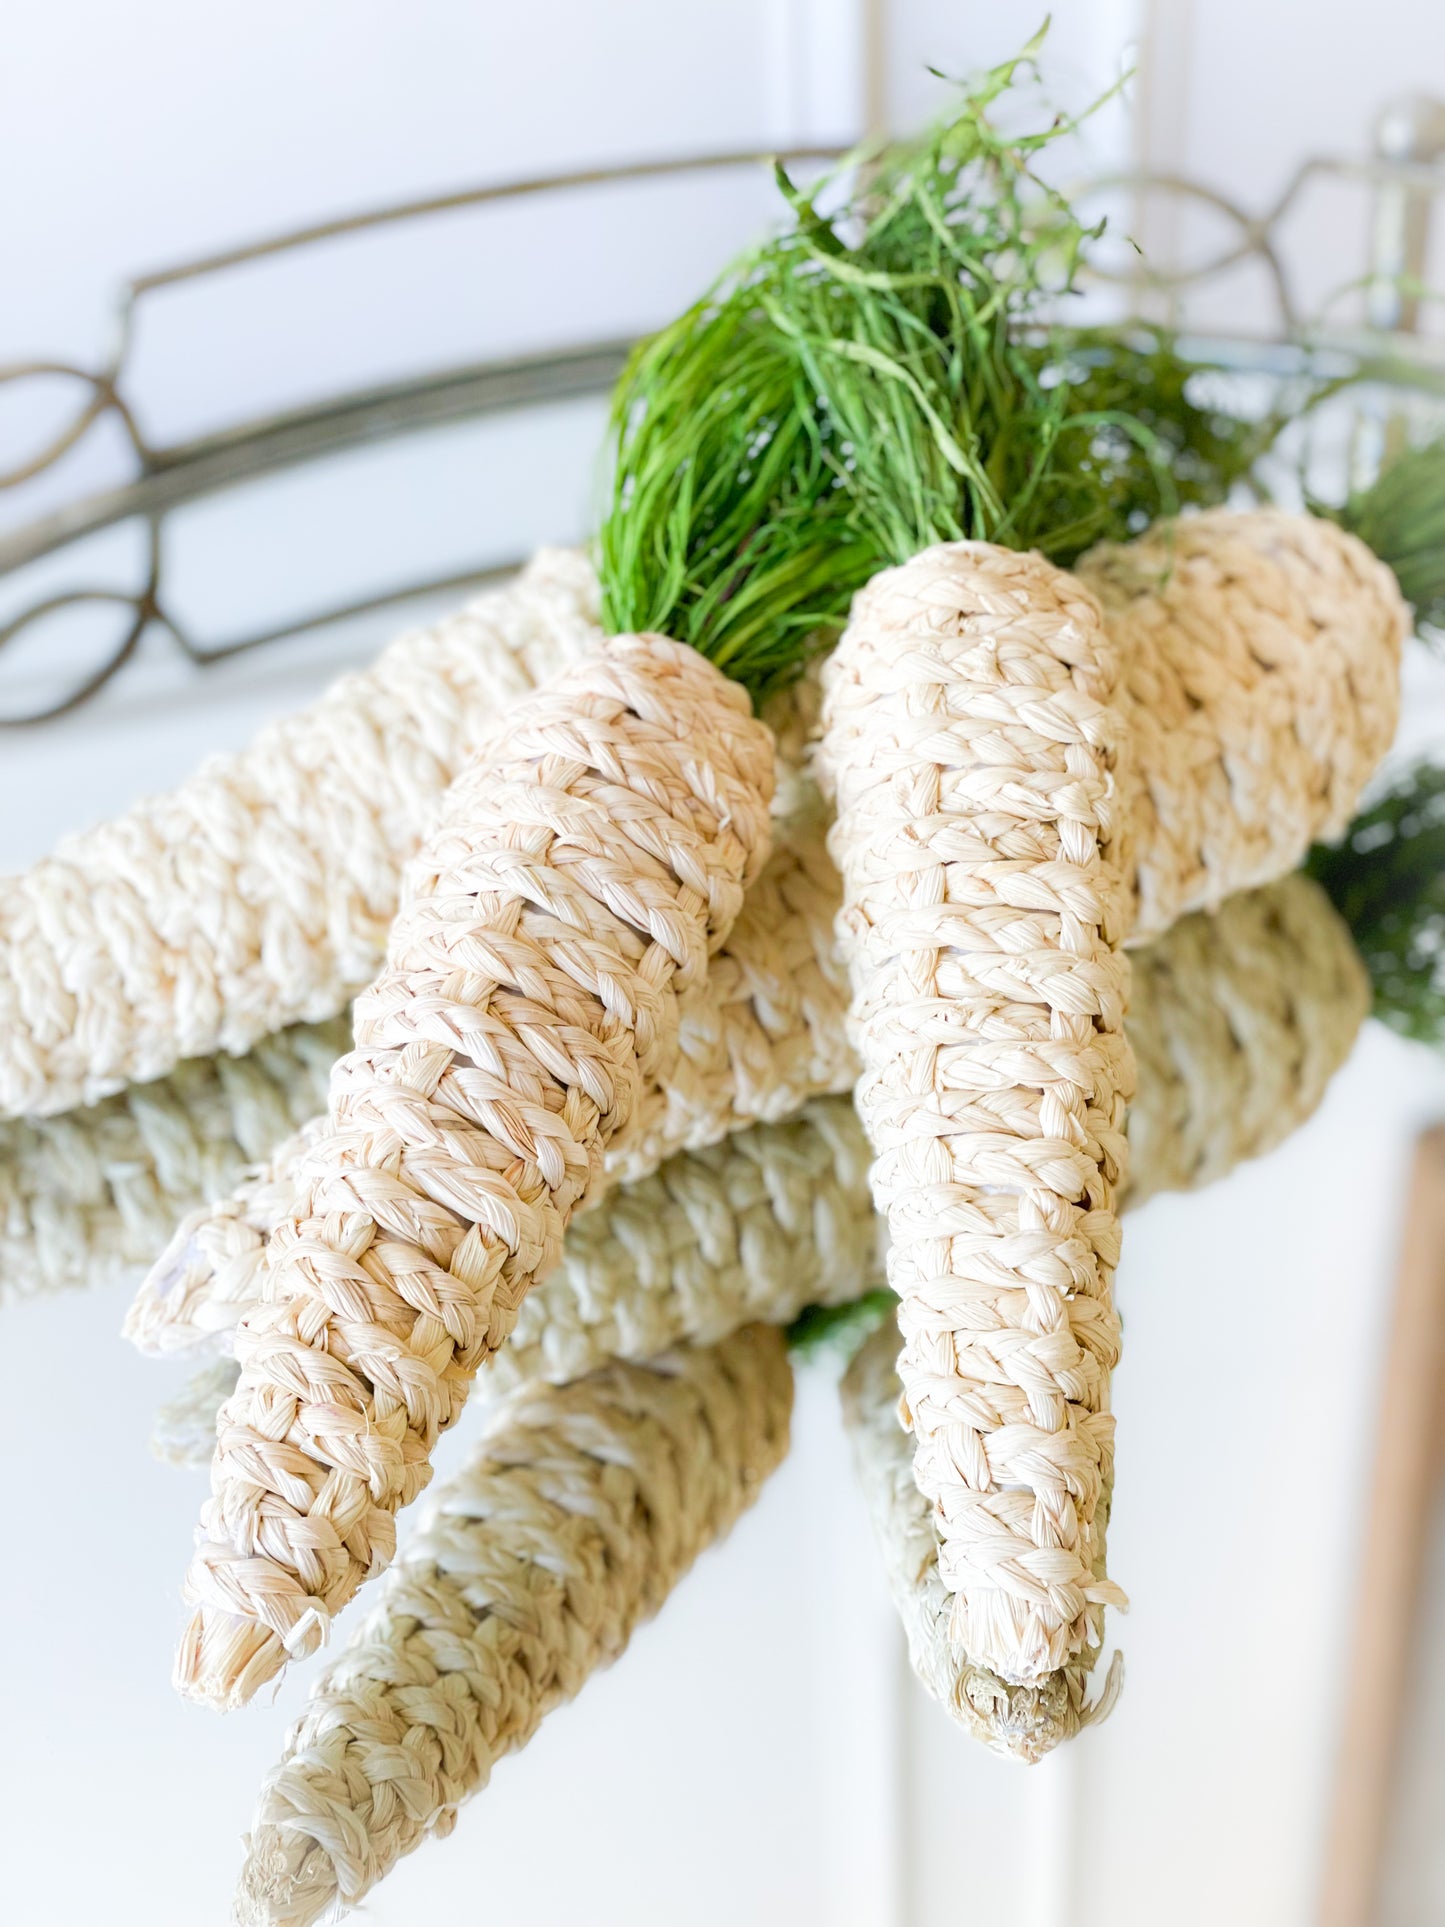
[88,1197]
[1238,1021]
[760,1035]
[1024,1721]
[259,893]
[758,1227]
[587,864]
[1261,687]
[578,1514]
[972,749]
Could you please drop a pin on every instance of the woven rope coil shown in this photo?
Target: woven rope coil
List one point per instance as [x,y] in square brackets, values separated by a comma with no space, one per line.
[90,1196]
[259,893]
[587,864]
[972,748]
[579,1512]
[973,851]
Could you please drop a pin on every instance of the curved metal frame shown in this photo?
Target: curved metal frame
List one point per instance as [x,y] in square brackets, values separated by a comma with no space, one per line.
[168,475]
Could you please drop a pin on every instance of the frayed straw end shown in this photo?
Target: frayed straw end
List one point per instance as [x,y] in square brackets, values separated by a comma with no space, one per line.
[1012,1638]
[224,1661]
[288,1880]
[1026,1723]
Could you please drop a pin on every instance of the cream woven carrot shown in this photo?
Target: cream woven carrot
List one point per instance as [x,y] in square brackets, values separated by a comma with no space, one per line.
[576,1515]
[94,1194]
[997,845]
[259,892]
[1239,1018]
[587,864]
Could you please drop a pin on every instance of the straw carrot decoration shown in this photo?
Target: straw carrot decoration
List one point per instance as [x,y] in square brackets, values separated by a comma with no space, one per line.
[586,866]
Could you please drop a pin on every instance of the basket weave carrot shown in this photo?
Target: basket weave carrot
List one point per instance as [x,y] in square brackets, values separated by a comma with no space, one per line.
[762,1034]
[1239,1020]
[576,1515]
[585,868]
[1004,824]
[258,894]
[771,1222]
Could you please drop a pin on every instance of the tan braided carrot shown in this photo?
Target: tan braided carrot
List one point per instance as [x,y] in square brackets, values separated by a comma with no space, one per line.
[997,844]
[1238,1021]
[587,863]
[259,892]
[577,1514]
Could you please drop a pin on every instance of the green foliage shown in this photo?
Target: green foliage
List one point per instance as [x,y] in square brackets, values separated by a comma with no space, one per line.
[882,375]
[840,1329]
[1387,880]
[1401,516]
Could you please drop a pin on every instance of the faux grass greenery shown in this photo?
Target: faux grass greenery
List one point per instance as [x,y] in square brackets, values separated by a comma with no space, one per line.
[880,375]
[1387,880]
[840,1329]
[1401,516]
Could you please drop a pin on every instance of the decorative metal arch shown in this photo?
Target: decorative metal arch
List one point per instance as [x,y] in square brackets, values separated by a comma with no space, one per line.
[1406,175]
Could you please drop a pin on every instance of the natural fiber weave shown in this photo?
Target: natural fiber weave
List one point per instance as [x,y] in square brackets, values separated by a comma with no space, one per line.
[587,864]
[579,1512]
[972,748]
[1261,687]
[1238,1021]
[89,1197]
[259,893]
[762,1034]
[773,1220]
[996,845]
[1023,1721]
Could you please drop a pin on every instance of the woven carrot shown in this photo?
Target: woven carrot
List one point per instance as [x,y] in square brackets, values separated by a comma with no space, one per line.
[1004,823]
[258,894]
[1238,1020]
[585,867]
[578,1512]
[773,1221]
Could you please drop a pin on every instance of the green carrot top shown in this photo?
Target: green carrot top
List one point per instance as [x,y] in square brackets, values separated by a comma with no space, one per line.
[881,374]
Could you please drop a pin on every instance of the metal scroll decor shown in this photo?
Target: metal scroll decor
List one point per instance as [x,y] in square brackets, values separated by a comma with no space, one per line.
[1405,176]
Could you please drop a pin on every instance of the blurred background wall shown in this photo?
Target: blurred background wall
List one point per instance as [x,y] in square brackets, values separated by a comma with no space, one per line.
[761,1754]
